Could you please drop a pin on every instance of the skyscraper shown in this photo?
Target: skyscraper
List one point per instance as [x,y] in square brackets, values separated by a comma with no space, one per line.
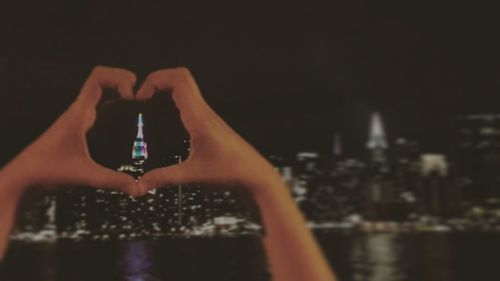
[139,149]
[380,196]
[406,165]
[377,142]
[477,154]
[437,193]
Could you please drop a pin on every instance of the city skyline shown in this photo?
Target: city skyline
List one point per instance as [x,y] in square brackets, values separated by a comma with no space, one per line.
[172,140]
[394,188]
[381,117]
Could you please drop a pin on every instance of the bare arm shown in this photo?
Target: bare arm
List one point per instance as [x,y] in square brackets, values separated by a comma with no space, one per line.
[292,250]
[219,155]
[60,155]
[12,183]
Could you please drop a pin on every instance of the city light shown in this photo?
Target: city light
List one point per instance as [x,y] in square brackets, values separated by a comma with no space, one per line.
[395,188]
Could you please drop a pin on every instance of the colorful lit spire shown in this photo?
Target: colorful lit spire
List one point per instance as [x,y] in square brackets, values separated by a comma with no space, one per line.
[140,149]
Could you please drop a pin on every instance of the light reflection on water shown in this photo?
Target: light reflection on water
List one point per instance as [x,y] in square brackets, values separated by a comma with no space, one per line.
[355,257]
[138,261]
[376,258]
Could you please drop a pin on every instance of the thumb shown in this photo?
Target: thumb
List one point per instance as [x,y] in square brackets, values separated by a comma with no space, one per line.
[101,177]
[167,176]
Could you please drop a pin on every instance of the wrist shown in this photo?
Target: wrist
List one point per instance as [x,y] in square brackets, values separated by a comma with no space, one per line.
[264,187]
[14,178]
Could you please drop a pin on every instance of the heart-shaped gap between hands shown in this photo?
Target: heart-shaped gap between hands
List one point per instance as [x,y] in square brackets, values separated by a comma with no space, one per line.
[112,137]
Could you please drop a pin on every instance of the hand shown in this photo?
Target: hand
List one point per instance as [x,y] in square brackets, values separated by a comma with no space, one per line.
[60,155]
[218,155]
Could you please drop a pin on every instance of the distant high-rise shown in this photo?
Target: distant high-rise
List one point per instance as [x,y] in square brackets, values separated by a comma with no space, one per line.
[381,195]
[307,161]
[407,163]
[377,141]
[477,155]
[437,193]
[139,149]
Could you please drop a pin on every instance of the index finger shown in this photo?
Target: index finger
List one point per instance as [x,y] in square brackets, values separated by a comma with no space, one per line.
[185,93]
[102,77]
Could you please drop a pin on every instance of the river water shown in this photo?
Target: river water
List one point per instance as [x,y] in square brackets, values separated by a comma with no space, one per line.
[355,257]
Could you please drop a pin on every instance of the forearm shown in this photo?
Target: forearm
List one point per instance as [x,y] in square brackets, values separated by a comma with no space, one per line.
[292,250]
[12,185]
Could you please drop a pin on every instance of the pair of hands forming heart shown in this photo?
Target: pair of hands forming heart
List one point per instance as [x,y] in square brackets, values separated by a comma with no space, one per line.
[218,155]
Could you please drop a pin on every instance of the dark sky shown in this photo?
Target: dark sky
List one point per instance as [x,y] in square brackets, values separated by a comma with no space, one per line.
[286,75]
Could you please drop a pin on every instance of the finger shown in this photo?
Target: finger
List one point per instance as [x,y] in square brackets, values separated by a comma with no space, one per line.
[185,93]
[167,176]
[179,79]
[101,177]
[101,77]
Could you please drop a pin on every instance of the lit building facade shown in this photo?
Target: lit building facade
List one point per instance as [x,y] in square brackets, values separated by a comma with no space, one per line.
[437,194]
[477,155]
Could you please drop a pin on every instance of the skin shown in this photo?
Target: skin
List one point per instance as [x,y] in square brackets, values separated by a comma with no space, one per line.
[60,155]
[218,155]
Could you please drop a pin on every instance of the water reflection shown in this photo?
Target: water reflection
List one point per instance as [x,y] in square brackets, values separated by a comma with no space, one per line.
[393,257]
[355,257]
[433,257]
[376,258]
[137,257]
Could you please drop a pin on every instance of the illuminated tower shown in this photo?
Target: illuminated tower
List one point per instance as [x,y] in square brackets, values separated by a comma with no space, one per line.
[140,148]
[377,142]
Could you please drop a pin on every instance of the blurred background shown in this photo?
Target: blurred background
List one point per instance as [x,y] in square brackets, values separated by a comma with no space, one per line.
[383,118]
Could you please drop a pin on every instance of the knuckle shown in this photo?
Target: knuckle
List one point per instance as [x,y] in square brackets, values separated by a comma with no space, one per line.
[124,74]
[116,74]
[132,77]
[183,71]
[153,76]
[98,69]
[99,72]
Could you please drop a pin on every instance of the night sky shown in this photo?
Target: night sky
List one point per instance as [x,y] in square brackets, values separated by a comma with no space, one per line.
[286,75]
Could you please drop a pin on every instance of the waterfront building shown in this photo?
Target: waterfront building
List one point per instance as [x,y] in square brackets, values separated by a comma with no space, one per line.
[477,155]
[406,166]
[437,193]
